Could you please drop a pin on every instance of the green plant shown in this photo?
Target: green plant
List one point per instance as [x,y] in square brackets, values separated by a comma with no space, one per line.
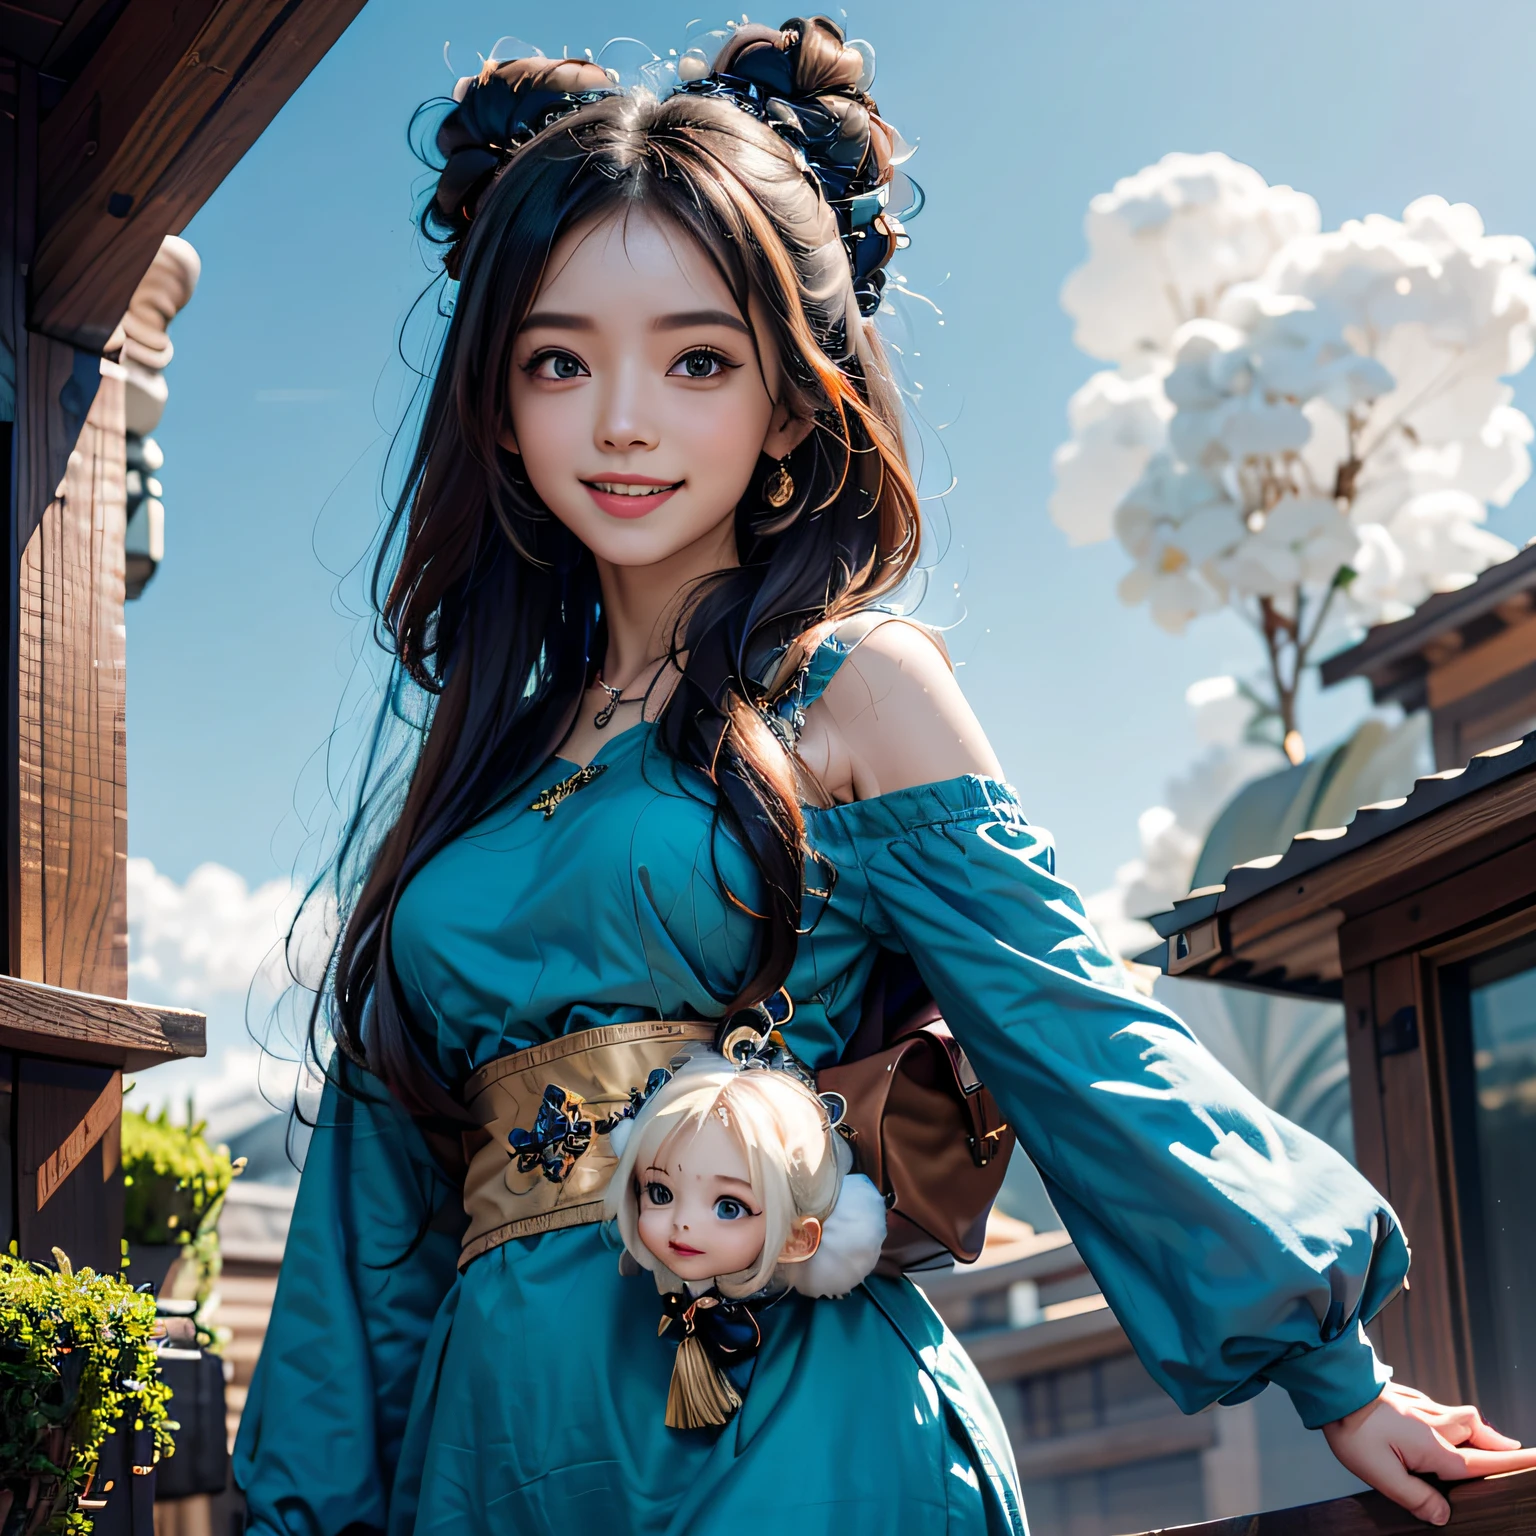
[174,1181]
[77,1361]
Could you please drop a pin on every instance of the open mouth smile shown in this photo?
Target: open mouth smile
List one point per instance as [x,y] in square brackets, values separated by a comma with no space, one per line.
[630,496]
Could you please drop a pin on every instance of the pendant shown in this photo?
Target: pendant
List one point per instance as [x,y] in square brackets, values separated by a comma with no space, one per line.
[549,799]
[605,714]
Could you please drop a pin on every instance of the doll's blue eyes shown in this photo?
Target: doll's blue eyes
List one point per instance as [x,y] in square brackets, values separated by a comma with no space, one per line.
[726,1208]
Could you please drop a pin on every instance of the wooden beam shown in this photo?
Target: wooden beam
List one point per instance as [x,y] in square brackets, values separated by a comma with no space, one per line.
[73,801]
[1381,862]
[1422,1328]
[1364,1077]
[83,1213]
[1472,670]
[82,19]
[52,1021]
[1493,1506]
[1430,914]
[176,94]
[1115,1445]
[1053,1345]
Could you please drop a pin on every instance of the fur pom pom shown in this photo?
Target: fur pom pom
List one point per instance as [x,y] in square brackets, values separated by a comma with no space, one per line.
[618,1137]
[851,1240]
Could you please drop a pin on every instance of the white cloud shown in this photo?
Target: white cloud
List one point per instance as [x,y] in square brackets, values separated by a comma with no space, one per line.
[212,935]
[215,944]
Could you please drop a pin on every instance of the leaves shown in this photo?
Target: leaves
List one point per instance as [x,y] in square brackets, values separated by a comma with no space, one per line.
[77,1357]
[174,1180]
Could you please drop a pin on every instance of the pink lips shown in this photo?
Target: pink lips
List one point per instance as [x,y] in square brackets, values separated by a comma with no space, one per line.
[684,1251]
[616,505]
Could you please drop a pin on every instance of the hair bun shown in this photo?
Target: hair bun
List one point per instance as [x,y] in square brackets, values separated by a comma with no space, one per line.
[804,78]
[497,112]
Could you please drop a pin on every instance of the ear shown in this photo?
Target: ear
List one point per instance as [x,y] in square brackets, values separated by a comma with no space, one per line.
[804,1240]
[786,431]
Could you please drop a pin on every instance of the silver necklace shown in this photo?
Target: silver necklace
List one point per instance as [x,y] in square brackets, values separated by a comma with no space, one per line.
[615,698]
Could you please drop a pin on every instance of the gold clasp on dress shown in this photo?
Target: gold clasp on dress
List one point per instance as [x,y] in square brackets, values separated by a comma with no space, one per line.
[549,799]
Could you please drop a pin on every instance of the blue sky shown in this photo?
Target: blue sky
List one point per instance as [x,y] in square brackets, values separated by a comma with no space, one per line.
[287,384]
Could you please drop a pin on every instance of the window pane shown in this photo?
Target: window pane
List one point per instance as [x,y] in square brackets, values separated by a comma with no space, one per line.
[1502,995]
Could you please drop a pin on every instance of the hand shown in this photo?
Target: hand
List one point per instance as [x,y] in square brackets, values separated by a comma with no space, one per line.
[1403,1432]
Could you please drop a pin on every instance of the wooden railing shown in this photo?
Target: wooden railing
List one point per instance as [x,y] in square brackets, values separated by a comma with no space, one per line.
[1494,1506]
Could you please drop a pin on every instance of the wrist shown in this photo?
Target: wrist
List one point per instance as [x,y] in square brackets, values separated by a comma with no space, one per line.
[1336,1379]
[1357,1416]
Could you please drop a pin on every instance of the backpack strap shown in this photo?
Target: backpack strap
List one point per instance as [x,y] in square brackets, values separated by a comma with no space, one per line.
[786,714]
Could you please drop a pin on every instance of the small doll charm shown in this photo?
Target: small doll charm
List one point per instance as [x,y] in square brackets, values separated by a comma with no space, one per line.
[731,1188]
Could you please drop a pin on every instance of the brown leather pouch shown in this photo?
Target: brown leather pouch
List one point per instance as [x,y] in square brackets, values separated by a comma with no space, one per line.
[927,1133]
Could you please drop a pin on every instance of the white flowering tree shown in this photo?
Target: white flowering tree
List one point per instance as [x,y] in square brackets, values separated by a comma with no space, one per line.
[1307,427]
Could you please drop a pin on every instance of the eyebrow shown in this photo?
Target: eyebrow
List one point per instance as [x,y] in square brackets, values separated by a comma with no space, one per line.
[692,317]
[725,1178]
[549,319]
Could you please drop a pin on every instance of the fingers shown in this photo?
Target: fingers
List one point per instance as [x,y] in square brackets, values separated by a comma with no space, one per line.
[1413,1493]
[1486,1438]
[1456,1462]
[1462,1425]
[1458,1425]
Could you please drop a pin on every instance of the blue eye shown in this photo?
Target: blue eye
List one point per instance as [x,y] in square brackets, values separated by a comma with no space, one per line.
[701,363]
[658,1194]
[728,1209]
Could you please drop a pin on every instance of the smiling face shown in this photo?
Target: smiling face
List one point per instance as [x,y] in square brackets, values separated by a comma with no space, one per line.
[698,1212]
[640,402]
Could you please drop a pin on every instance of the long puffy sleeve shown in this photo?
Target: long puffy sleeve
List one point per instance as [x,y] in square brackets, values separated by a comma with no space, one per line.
[1235,1248]
[371,1255]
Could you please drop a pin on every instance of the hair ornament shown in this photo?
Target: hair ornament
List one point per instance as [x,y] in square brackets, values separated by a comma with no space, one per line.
[839,140]
[834,127]
[492,119]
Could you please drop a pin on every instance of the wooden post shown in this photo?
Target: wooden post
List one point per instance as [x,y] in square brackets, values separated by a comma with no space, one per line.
[72,752]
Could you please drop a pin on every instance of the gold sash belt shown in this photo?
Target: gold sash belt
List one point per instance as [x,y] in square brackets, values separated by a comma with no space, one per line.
[559,1178]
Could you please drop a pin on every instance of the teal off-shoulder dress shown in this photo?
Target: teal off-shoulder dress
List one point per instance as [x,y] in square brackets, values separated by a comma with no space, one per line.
[527,1396]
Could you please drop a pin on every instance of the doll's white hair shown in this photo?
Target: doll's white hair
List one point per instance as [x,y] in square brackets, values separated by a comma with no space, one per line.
[796,1164]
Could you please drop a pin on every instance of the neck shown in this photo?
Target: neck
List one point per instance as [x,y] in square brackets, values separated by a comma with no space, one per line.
[643,603]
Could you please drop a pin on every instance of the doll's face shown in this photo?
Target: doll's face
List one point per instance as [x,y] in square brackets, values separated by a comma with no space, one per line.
[640,402]
[698,1213]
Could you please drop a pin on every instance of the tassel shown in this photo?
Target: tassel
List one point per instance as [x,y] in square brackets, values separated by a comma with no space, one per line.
[700,1397]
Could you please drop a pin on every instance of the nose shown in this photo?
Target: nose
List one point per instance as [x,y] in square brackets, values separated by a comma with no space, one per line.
[624,423]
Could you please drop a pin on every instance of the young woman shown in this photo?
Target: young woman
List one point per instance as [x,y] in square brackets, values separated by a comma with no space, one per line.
[676,762]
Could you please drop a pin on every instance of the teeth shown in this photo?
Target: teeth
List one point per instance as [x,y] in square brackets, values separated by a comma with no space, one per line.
[628,490]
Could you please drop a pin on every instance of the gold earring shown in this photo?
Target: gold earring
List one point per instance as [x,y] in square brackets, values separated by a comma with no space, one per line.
[779,486]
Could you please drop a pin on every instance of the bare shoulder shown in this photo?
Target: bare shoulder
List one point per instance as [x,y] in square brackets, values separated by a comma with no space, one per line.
[892,717]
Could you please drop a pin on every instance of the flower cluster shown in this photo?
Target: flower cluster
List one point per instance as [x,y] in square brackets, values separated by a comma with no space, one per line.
[1303,425]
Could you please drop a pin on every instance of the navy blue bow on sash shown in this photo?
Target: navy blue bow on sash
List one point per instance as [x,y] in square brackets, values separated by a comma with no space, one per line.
[727,1329]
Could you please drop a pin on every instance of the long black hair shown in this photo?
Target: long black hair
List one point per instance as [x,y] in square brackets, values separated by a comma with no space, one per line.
[492,607]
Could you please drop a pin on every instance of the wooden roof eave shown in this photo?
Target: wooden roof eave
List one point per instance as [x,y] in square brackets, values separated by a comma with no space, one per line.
[161,112]
[1276,924]
[1397,657]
